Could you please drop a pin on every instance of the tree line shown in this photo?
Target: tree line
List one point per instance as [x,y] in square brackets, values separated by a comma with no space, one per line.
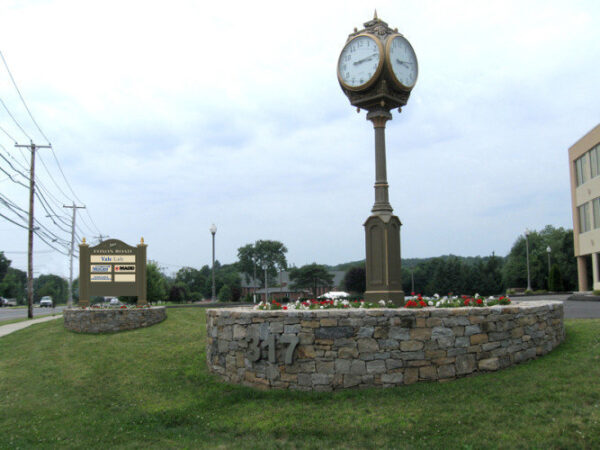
[555,270]
[489,275]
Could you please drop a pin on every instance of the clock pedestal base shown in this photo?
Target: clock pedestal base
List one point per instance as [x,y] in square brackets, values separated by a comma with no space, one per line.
[383,264]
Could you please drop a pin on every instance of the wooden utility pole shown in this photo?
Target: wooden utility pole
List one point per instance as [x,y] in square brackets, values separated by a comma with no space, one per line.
[100,236]
[70,300]
[32,147]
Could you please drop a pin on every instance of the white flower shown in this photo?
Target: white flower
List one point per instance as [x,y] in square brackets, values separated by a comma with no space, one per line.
[436,295]
[430,303]
[382,302]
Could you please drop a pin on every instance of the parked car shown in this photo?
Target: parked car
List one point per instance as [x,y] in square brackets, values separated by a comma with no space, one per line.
[115,302]
[7,301]
[46,301]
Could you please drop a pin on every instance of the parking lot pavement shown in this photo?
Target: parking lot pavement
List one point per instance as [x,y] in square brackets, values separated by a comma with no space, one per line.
[574,309]
[12,327]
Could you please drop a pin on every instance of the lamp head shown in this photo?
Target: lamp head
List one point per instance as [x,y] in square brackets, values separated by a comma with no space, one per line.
[213,228]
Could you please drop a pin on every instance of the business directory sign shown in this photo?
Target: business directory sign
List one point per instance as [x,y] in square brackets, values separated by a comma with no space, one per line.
[112,268]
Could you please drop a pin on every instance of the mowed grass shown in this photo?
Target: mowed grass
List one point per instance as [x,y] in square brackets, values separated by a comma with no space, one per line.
[150,388]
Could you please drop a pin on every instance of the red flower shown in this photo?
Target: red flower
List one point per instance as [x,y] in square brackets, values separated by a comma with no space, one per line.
[467,302]
[479,301]
[285,307]
[412,293]
[422,303]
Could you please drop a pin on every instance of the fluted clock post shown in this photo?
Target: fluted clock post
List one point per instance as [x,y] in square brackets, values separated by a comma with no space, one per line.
[377,70]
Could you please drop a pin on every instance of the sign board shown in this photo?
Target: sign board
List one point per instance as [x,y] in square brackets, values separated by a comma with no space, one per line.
[112,268]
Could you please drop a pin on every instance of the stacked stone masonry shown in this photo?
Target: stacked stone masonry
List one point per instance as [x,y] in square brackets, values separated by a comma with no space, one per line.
[112,320]
[323,350]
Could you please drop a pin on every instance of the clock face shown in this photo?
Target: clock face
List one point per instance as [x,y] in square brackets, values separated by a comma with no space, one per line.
[360,62]
[402,61]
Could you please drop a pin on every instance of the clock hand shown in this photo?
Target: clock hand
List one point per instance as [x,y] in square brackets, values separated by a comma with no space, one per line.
[360,61]
[403,62]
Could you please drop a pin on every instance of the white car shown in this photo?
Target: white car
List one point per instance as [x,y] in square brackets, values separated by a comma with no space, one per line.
[46,301]
[115,302]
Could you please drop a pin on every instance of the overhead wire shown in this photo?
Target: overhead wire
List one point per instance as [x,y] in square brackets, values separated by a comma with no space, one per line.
[44,195]
[15,120]
[22,99]
[9,136]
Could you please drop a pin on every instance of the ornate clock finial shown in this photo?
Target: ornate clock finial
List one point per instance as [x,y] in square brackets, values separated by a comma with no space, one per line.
[83,241]
[375,15]
[142,241]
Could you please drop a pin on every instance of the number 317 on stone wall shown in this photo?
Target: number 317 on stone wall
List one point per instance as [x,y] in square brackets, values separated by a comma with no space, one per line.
[255,353]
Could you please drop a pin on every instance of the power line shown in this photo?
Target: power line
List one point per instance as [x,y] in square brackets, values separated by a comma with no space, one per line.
[22,99]
[14,120]
[9,136]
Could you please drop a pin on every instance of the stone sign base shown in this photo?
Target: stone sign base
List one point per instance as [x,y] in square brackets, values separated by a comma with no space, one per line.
[111,320]
[323,350]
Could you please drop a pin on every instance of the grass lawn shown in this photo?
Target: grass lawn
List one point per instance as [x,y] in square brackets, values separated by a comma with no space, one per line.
[150,388]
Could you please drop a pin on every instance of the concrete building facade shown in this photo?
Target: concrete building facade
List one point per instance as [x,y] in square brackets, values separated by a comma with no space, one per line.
[584,163]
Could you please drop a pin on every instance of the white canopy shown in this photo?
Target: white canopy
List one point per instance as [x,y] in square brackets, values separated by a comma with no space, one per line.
[335,294]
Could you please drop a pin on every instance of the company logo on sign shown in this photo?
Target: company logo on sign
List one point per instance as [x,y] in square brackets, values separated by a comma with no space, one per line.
[95,277]
[125,268]
[101,268]
[112,259]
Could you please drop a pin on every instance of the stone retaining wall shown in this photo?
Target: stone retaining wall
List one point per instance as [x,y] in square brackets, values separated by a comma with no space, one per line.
[111,320]
[323,350]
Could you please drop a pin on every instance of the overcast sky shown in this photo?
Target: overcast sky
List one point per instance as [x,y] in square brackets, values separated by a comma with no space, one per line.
[169,116]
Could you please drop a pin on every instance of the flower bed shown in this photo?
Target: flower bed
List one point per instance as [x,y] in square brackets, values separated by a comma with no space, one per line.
[414,301]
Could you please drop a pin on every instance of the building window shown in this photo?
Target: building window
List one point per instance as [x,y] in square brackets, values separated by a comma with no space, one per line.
[595,161]
[584,218]
[596,212]
[581,169]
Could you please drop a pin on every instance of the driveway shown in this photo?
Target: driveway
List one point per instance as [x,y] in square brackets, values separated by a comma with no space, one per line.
[573,309]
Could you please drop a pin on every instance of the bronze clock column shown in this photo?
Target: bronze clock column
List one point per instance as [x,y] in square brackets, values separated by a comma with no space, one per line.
[377,70]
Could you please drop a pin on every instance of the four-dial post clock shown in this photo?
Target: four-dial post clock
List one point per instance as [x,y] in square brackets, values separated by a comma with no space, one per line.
[377,70]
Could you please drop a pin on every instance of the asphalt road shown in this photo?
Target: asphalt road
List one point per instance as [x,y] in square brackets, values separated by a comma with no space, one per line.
[19,313]
[573,309]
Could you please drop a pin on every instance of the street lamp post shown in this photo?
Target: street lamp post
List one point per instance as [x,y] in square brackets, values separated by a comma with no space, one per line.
[213,231]
[266,285]
[548,250]
[527,253]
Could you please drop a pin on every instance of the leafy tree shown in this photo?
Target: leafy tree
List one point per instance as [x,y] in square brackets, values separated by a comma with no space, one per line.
[179,293]
[560,242]
[225,294]
[264,254]
[157,289]
[4,265]
[51,285]
[194,280]
[14,285]
[355,280]
[311,276]
[247,261]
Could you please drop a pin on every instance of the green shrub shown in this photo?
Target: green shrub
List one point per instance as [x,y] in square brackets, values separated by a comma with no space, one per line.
[225,294]
[555,282]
